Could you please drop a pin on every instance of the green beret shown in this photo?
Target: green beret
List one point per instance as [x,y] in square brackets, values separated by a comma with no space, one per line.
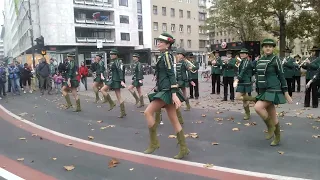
[136,55]
[71,55]
[114,52]
[244,50]
[181,51]
[268,42]
[100,55]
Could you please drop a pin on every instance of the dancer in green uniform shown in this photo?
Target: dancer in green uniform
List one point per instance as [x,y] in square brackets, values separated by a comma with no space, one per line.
[115,81]
[167,96]
[98,69]
[71,83]
[137,81]
[273,89]
[243,81]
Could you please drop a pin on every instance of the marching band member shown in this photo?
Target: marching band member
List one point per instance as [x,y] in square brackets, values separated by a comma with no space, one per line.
[167,96]
[193,74]
[311,65]
[297,74]
[288,69]
[115,81]
[137,81]
[98,69]
[216,72]
[243,81]
[71,83]
[228,66]
[273,89]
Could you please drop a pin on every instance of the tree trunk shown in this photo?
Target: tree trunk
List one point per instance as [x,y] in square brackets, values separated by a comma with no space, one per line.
[282,23]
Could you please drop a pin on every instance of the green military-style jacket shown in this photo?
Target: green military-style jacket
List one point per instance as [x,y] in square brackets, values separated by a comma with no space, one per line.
[182,71]
[245,72]
[270,75]
[101,69]
[297,71]
[138,72]
[116,71]
[229,68]
[288,67]
[164,71]
[72,71]
[216,69]
[195,68]
[312,67]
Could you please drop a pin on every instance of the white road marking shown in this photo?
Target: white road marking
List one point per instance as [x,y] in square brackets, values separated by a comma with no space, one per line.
[189,163]
[8,175]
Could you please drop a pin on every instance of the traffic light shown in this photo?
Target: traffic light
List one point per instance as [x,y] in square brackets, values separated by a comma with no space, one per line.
[43,52]
[40,42]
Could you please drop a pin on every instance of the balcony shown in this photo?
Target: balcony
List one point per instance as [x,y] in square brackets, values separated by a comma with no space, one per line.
[93,19]
[93,40]
[93,4]
[85,35]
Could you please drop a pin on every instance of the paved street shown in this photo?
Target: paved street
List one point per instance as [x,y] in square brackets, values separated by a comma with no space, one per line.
[213,121]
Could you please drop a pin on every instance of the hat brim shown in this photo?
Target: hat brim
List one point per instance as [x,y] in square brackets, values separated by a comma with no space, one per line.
[269,43]
[113,53]
[71,55]
[244,52]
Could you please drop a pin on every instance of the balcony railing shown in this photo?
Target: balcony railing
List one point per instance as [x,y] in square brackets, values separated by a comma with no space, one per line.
[93,3]
[94,40]
[93,21]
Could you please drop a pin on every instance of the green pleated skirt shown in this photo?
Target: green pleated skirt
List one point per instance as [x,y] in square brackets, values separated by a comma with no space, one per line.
[136,83]
[98,80]
[165,96]
[183,84]
[74,83]
[276,97]
[244,88]
[113,84]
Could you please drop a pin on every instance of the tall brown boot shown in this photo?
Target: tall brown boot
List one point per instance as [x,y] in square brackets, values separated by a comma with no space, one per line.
[158,117]
[141,102]
[188,105]
[111,102]
[271,128]
[184,151]
[276,139]
[134,94]
[246,112]
[154,142]
[68,105]
[180,118]
[122,110]
[96,92]
[78,108]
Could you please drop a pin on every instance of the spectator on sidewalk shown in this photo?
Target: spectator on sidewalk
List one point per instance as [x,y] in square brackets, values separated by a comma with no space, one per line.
[58,82]
[26,76]
[20,66]
[44,75]
[14,76]
[52,71]
[83,71]
[3,80]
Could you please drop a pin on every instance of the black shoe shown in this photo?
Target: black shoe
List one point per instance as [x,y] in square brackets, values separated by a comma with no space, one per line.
[212,93]
[314,106]
[306,106]
[190,97]
[224,100]
[232,100]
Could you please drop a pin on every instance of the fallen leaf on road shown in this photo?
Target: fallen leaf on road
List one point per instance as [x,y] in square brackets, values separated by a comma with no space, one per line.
[69,144]
[54,159]
[235,129]
[102,128]
[218,112]
[112,126]
[172,136]
[141,111]
[199,122]
[289,124]
[315,127]
[218,119]
[89,124]
[310,116]
[247,124]
[35,106]
[131,169]
[194,135]
[239,123]
[22,138]
[186,135]
[113,163]
[90,137]
[203,115]
[318,120]
[20,159]
[214,143]
[281,152]
[100,121]
[22,114]
[220,123]
[69,168]
[33,135]
[208,165]
[316,136]
[281,114]
[230,119]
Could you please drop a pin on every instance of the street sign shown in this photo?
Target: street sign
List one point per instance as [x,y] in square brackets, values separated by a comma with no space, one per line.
[99,44]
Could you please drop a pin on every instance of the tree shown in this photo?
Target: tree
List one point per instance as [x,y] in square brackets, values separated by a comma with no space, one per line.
[233,16]
[276,15]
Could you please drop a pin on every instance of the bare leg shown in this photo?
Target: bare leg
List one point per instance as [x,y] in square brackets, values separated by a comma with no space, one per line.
[121,102]
[65,93]
[184,92]
[104,90]
[76,97]
[134,94]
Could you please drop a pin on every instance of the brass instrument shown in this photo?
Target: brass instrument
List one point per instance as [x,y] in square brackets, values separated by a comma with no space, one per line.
[303,62]
[284,60]
[212,58]
[190,64]
[238,61]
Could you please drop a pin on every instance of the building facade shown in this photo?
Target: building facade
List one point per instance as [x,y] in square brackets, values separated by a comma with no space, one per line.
[77,26]
[184,20]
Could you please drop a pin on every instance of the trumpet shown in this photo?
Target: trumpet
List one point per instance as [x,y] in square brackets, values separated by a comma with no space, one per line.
[191,65]
[303,62]
[284,60]
[238,62]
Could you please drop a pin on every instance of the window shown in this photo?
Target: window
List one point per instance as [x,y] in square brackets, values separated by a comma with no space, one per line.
[188,1]
[225,33]
[155,26]
[155,10]
[188,14]
[140,26]
[125,36]
[202,43]
[181,43]
[229,40]
[172,12]
[180,13]
[173,27]
[139,6]
[201,30]
[180,0]
[220,40]
[123,3]
[189,43]
[217,41]
[155,41]
[164,11]
[181,28]
[188,29]
[217,34]
[164,27]
[202,16]
[202,2]
[225,40]
[124,19]
[220,33]
[140,38]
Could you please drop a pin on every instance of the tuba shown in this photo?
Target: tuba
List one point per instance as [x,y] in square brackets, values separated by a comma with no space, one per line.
[190,65]
[238,61]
